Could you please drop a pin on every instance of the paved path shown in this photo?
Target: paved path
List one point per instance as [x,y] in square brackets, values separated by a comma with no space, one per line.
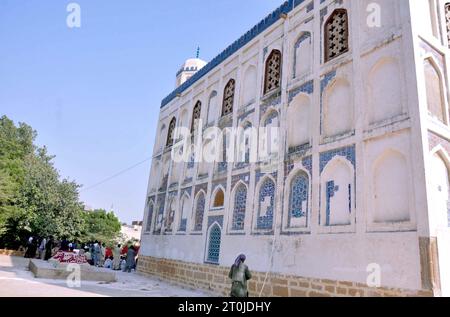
[17,280]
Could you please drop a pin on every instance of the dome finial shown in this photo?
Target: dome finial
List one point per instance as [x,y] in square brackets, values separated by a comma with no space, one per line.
[198,51]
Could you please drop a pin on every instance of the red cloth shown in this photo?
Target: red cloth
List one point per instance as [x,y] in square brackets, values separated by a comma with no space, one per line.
[124,250]
[69,257]
[108,253]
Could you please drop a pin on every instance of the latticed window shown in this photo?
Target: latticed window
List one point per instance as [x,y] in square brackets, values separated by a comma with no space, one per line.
[240,202]
[196,116]
[214,244]
[447,20]
[273,71]
[336,34]
[228,97]
[171,131]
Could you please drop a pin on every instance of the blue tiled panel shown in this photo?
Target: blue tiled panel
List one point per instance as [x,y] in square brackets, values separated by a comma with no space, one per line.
[161,206]
[183,225]
[272,18]
[331,190]
[149,217]
[199,213]
[299,194]
[215,236]
[307,88]
[267,190]
[240,202]
[347,152]
[218,219]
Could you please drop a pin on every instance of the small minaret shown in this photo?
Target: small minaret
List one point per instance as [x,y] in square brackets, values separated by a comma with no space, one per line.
[189,68]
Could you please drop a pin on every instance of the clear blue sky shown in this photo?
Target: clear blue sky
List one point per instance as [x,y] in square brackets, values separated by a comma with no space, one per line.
[93,94]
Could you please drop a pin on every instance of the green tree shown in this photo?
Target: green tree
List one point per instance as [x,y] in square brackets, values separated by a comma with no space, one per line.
[101,225]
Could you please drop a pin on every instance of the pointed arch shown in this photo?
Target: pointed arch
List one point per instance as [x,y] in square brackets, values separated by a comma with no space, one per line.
[228,97]
[249,85]
[171,131]
[199,211]
[434,85]
[272,74]
[213,107]
[336,34]
[185,207]
[150,211]
[303,55]
[218,195]
[214,243]
[196,116]
[337,100]
[391,200]
[385,96]
[265,204]
[239,195]
[298,117]
[337,193]
[440,188]
[297,200]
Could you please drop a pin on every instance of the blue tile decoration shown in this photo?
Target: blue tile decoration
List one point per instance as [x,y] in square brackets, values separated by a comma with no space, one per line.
[272,102]
[305,36]
[307,88]
[199,212]
[267,202]
[259,175]
[331,191]
[347,152]
[150,205]
[183,225]
[299,149]
[270,118]
[240,203]
[213,219]
[215,235]
[187,191]
[241,177]
[326,80]
[299,197]
[200,187]
[306,163]
[263,25]
[159,218]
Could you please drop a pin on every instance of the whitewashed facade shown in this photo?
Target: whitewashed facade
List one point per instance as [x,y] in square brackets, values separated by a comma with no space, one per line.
[362,107]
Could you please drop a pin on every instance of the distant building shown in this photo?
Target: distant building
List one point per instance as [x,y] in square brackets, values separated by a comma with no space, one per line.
[131,232]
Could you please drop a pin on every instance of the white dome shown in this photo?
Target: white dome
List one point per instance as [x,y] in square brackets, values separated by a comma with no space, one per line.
[193,63]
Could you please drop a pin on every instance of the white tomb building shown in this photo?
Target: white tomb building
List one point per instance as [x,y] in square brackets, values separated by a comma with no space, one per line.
[356,200]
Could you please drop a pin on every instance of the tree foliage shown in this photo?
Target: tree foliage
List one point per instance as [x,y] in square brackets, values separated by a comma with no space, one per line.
[33,198]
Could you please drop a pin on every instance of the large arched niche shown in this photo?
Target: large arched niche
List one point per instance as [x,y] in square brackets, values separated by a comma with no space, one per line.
[185,208]
[249,86]
[440,187]
[303,55]
[298,116]
[338,114]
[384,91]
[391,192]
[435,90]
[337,193]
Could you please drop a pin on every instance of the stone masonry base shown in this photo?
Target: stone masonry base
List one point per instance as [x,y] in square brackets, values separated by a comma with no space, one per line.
[215,279]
